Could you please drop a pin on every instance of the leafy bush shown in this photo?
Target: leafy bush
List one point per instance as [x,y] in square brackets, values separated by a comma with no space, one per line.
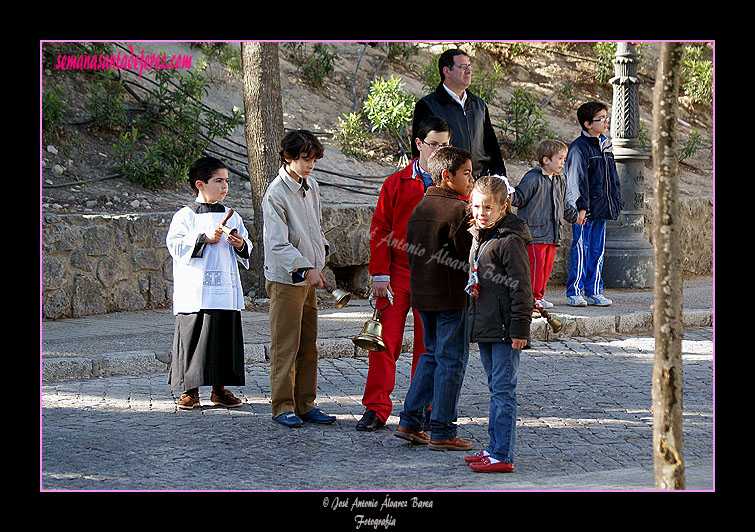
[226,54]
[314,67]
[352,134]
[697,76]
[390,108]
[605,52]
[526,126]
[181,126]
[106,101]
[53,107]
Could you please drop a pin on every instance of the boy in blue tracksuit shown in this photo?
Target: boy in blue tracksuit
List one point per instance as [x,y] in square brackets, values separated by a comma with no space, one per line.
[593,187]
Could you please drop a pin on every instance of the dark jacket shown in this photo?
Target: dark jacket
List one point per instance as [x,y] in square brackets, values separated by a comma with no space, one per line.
[437,245]
[592,180]
[503,309]
[471,126]
[541,202]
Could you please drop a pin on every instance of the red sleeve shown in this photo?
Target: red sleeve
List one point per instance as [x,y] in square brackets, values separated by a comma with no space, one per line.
[381,228]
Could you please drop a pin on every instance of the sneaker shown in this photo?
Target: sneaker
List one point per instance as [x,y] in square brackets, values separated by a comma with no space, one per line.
[289,419]
[599,300]
[576,301]
[545,304]
[225,398]
[189,400]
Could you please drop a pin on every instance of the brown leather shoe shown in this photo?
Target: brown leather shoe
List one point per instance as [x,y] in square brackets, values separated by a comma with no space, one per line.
[224,398]
[414,436]
[189,400]
[454,444]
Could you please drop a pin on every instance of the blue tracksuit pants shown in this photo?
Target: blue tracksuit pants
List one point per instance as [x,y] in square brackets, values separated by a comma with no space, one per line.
[586,258]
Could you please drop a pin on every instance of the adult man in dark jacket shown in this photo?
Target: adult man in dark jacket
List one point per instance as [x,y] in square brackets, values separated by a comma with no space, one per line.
[593,186]
[467,114]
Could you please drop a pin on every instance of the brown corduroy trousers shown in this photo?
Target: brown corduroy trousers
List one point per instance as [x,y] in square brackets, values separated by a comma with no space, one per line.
[293,349]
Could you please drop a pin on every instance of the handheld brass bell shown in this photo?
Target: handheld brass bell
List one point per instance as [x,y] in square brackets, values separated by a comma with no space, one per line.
[341,297]
[371,337]
[556,323]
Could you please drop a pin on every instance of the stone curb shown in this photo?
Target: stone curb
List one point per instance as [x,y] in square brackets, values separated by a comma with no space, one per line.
[58,369]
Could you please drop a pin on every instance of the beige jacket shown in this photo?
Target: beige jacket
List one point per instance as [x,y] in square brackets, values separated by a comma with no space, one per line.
[292,236]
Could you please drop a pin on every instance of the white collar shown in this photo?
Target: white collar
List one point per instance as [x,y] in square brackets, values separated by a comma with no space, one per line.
[455,96]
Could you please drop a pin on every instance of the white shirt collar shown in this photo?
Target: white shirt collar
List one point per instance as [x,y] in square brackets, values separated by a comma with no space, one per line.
[455,96]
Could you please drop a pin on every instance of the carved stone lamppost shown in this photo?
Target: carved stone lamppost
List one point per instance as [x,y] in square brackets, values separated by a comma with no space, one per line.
[628,259]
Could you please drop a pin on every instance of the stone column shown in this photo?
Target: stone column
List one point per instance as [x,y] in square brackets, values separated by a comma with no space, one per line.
[628,259]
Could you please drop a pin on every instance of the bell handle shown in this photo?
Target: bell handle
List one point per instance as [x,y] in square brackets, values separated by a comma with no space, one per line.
[390,301]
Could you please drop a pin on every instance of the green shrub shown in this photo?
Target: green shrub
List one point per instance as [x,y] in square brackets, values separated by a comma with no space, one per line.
[697,76]
[316,66]
[352,135]
[390,108]
[106,101]
[181,128]
[525,125]
[53,107]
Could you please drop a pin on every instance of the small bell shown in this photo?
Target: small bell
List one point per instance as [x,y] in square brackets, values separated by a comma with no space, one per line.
[341,297]
[556,323]
[371,337]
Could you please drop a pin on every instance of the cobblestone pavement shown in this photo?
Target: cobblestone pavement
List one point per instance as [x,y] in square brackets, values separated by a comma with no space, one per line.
[584,423]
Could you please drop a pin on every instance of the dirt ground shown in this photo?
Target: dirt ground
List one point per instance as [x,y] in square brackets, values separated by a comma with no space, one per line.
[75,167]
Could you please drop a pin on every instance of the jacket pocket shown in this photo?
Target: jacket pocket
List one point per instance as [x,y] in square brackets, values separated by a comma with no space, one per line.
[539,227]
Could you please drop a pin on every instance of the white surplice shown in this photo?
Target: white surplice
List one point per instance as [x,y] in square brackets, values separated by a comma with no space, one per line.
[205,276]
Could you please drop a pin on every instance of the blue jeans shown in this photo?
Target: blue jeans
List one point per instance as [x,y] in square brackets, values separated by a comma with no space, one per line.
[501,364]
[440,371]
[586,258]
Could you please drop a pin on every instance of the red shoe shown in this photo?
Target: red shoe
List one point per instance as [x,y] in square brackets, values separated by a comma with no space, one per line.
[485,466]
[475,457]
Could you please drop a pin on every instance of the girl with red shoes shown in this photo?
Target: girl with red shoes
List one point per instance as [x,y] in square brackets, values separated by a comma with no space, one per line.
[500,311]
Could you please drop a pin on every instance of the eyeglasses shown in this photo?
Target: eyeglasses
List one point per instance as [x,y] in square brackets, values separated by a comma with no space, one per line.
[468,68]
[605,119]
[435,145]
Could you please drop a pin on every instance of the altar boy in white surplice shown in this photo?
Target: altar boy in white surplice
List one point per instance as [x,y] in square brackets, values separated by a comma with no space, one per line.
[208,345]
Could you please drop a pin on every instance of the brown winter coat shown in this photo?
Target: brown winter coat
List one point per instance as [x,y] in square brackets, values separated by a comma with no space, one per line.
[438,243]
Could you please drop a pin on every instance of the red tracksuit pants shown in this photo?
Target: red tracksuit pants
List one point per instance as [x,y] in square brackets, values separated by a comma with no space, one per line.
[381,374]
[541,265]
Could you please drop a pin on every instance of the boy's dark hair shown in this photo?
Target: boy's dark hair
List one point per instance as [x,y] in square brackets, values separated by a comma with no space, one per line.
[588,110]
[448,158]
[447,59]
[202,170]
[300,143]
[433,123]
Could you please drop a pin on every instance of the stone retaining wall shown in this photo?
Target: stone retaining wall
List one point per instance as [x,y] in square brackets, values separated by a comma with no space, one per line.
[97,263]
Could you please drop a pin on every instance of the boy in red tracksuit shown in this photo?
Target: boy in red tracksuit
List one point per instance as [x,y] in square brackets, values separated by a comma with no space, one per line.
[389,267]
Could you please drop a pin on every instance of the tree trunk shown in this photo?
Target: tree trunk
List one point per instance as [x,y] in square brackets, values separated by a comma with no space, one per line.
[263,131]
[667,322]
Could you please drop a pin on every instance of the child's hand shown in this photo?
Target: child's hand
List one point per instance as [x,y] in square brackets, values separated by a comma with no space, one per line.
[235,240]
[381,288]
[213,238]
[518,343]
